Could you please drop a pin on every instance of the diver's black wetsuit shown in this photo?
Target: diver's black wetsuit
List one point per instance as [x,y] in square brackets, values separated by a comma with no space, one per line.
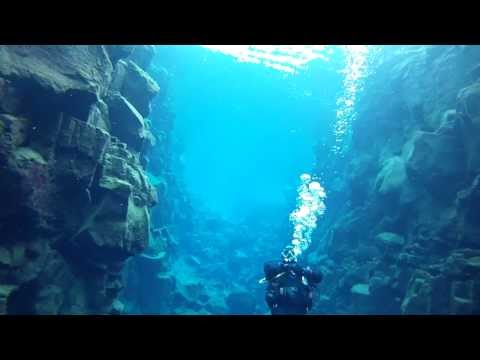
[290,287]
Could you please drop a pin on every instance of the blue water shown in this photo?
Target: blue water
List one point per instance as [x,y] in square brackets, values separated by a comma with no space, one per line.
[243,134]
[248,131]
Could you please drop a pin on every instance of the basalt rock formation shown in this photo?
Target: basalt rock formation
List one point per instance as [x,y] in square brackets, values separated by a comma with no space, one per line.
[75,196]
[408,240]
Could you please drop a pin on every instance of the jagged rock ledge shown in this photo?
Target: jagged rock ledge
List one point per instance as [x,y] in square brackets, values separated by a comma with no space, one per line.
[73,140]
[412,233]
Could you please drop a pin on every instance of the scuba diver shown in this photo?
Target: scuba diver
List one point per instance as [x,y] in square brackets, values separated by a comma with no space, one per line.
[290,287]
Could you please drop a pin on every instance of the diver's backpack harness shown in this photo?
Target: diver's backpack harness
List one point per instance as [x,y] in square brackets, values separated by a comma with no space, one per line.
[290,286]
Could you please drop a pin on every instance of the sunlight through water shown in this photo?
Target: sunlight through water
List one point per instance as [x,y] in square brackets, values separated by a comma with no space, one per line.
[288,58]
[294,58]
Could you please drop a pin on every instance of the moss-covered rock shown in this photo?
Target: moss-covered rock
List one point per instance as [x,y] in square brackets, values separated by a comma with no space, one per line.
[22,154]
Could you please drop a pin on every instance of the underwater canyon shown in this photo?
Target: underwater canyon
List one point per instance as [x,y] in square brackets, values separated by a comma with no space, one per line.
[154,179]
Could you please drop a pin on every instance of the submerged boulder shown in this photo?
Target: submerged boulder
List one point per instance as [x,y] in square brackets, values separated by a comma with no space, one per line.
[438,161]
[392,176]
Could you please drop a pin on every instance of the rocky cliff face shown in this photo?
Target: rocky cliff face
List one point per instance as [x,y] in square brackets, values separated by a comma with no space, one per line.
[75,197]
[408,241]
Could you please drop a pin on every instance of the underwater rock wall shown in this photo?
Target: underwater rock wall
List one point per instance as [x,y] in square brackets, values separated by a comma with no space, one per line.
[75,196]
[408,241]
[148,288]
